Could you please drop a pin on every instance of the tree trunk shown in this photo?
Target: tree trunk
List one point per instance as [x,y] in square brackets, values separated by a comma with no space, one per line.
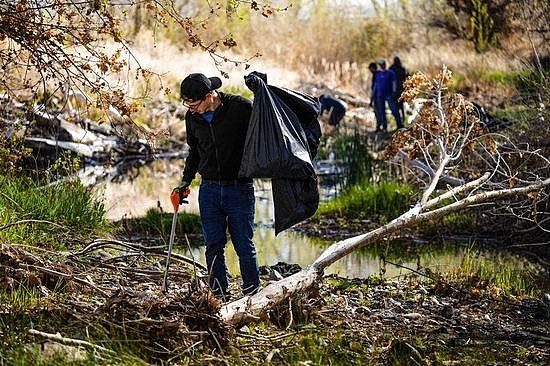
[254,307]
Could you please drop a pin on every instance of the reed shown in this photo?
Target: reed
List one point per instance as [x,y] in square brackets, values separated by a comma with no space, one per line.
[497,276]
[382,201]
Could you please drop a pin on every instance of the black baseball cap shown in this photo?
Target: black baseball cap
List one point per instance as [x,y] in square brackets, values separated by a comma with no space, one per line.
[196,86]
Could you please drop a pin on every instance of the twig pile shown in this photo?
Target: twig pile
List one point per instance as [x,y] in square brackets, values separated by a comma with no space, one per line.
[111,290]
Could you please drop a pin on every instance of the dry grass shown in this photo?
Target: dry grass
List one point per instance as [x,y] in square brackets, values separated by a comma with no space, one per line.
[327,47]
[173,63]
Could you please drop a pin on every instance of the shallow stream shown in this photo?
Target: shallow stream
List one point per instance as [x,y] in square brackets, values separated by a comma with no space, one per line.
[149,186]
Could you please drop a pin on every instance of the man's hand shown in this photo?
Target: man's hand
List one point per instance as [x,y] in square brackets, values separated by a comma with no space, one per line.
[183,190]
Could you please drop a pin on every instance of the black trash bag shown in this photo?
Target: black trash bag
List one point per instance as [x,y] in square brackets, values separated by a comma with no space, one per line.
[294,201]
[307,108]
[282,139]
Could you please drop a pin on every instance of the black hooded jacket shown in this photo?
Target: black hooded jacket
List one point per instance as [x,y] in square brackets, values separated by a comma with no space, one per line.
[216,148]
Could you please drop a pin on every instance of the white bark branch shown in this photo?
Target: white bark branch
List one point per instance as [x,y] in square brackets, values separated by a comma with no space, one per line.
[71,341]
[428,169]
[254,307]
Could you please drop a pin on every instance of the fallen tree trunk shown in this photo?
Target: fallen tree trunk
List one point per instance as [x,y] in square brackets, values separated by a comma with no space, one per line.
[254,307]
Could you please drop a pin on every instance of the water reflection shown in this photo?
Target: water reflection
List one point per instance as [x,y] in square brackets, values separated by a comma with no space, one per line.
[148,186]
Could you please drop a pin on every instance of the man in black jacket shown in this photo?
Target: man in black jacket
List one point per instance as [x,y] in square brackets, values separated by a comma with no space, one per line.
[401,74]
[216,126]
[336,108]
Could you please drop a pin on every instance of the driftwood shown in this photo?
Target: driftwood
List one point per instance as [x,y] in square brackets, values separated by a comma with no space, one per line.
[51,130]
[71,341]
[98,244]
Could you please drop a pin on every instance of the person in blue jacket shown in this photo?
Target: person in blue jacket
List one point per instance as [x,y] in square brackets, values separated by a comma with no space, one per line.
[373,68]
[384,91]
[336,108]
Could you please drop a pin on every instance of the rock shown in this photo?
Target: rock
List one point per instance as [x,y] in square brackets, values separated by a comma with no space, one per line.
[245,330]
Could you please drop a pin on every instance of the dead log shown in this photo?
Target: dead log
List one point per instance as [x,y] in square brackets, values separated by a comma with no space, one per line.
[43,143]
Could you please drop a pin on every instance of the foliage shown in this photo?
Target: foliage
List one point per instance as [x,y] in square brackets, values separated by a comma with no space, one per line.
[56,50]
[482,28]
[52,215]
[12,149]
[245,92]
[448,140]
[156,223]
[487,273]
[313,348]
[351,152]
[466,18]
[448,121]
[386,200]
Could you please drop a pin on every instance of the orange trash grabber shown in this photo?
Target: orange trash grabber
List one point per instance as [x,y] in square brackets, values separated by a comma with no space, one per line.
[176,197]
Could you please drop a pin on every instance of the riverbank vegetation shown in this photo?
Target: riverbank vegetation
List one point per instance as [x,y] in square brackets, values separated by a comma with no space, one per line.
[49,216]
[156,224]
[72,291]
[428,317]
[380,202]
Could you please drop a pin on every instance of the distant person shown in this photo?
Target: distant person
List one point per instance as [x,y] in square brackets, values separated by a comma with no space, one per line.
[336,107]
[401,75]
[384,90]
[373,68]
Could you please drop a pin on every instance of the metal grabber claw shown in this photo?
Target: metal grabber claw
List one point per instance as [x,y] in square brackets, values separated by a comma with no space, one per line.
[175,197]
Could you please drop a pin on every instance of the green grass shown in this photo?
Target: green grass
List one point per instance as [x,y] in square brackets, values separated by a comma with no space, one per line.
[242,91]
[353,151]
[457,221]
[19,347]
[499,77]
[526,80]
[314,348]
[479,271]
[50,215]
[59,355]
[518,114]
[385,200]
[343,284]
[21,298]
[155,223]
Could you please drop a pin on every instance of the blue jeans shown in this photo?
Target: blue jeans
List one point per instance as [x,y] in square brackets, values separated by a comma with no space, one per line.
[222,207]
[380,112]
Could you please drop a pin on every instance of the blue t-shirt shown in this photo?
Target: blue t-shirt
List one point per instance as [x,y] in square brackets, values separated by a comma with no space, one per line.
[384,83]
[208,116]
